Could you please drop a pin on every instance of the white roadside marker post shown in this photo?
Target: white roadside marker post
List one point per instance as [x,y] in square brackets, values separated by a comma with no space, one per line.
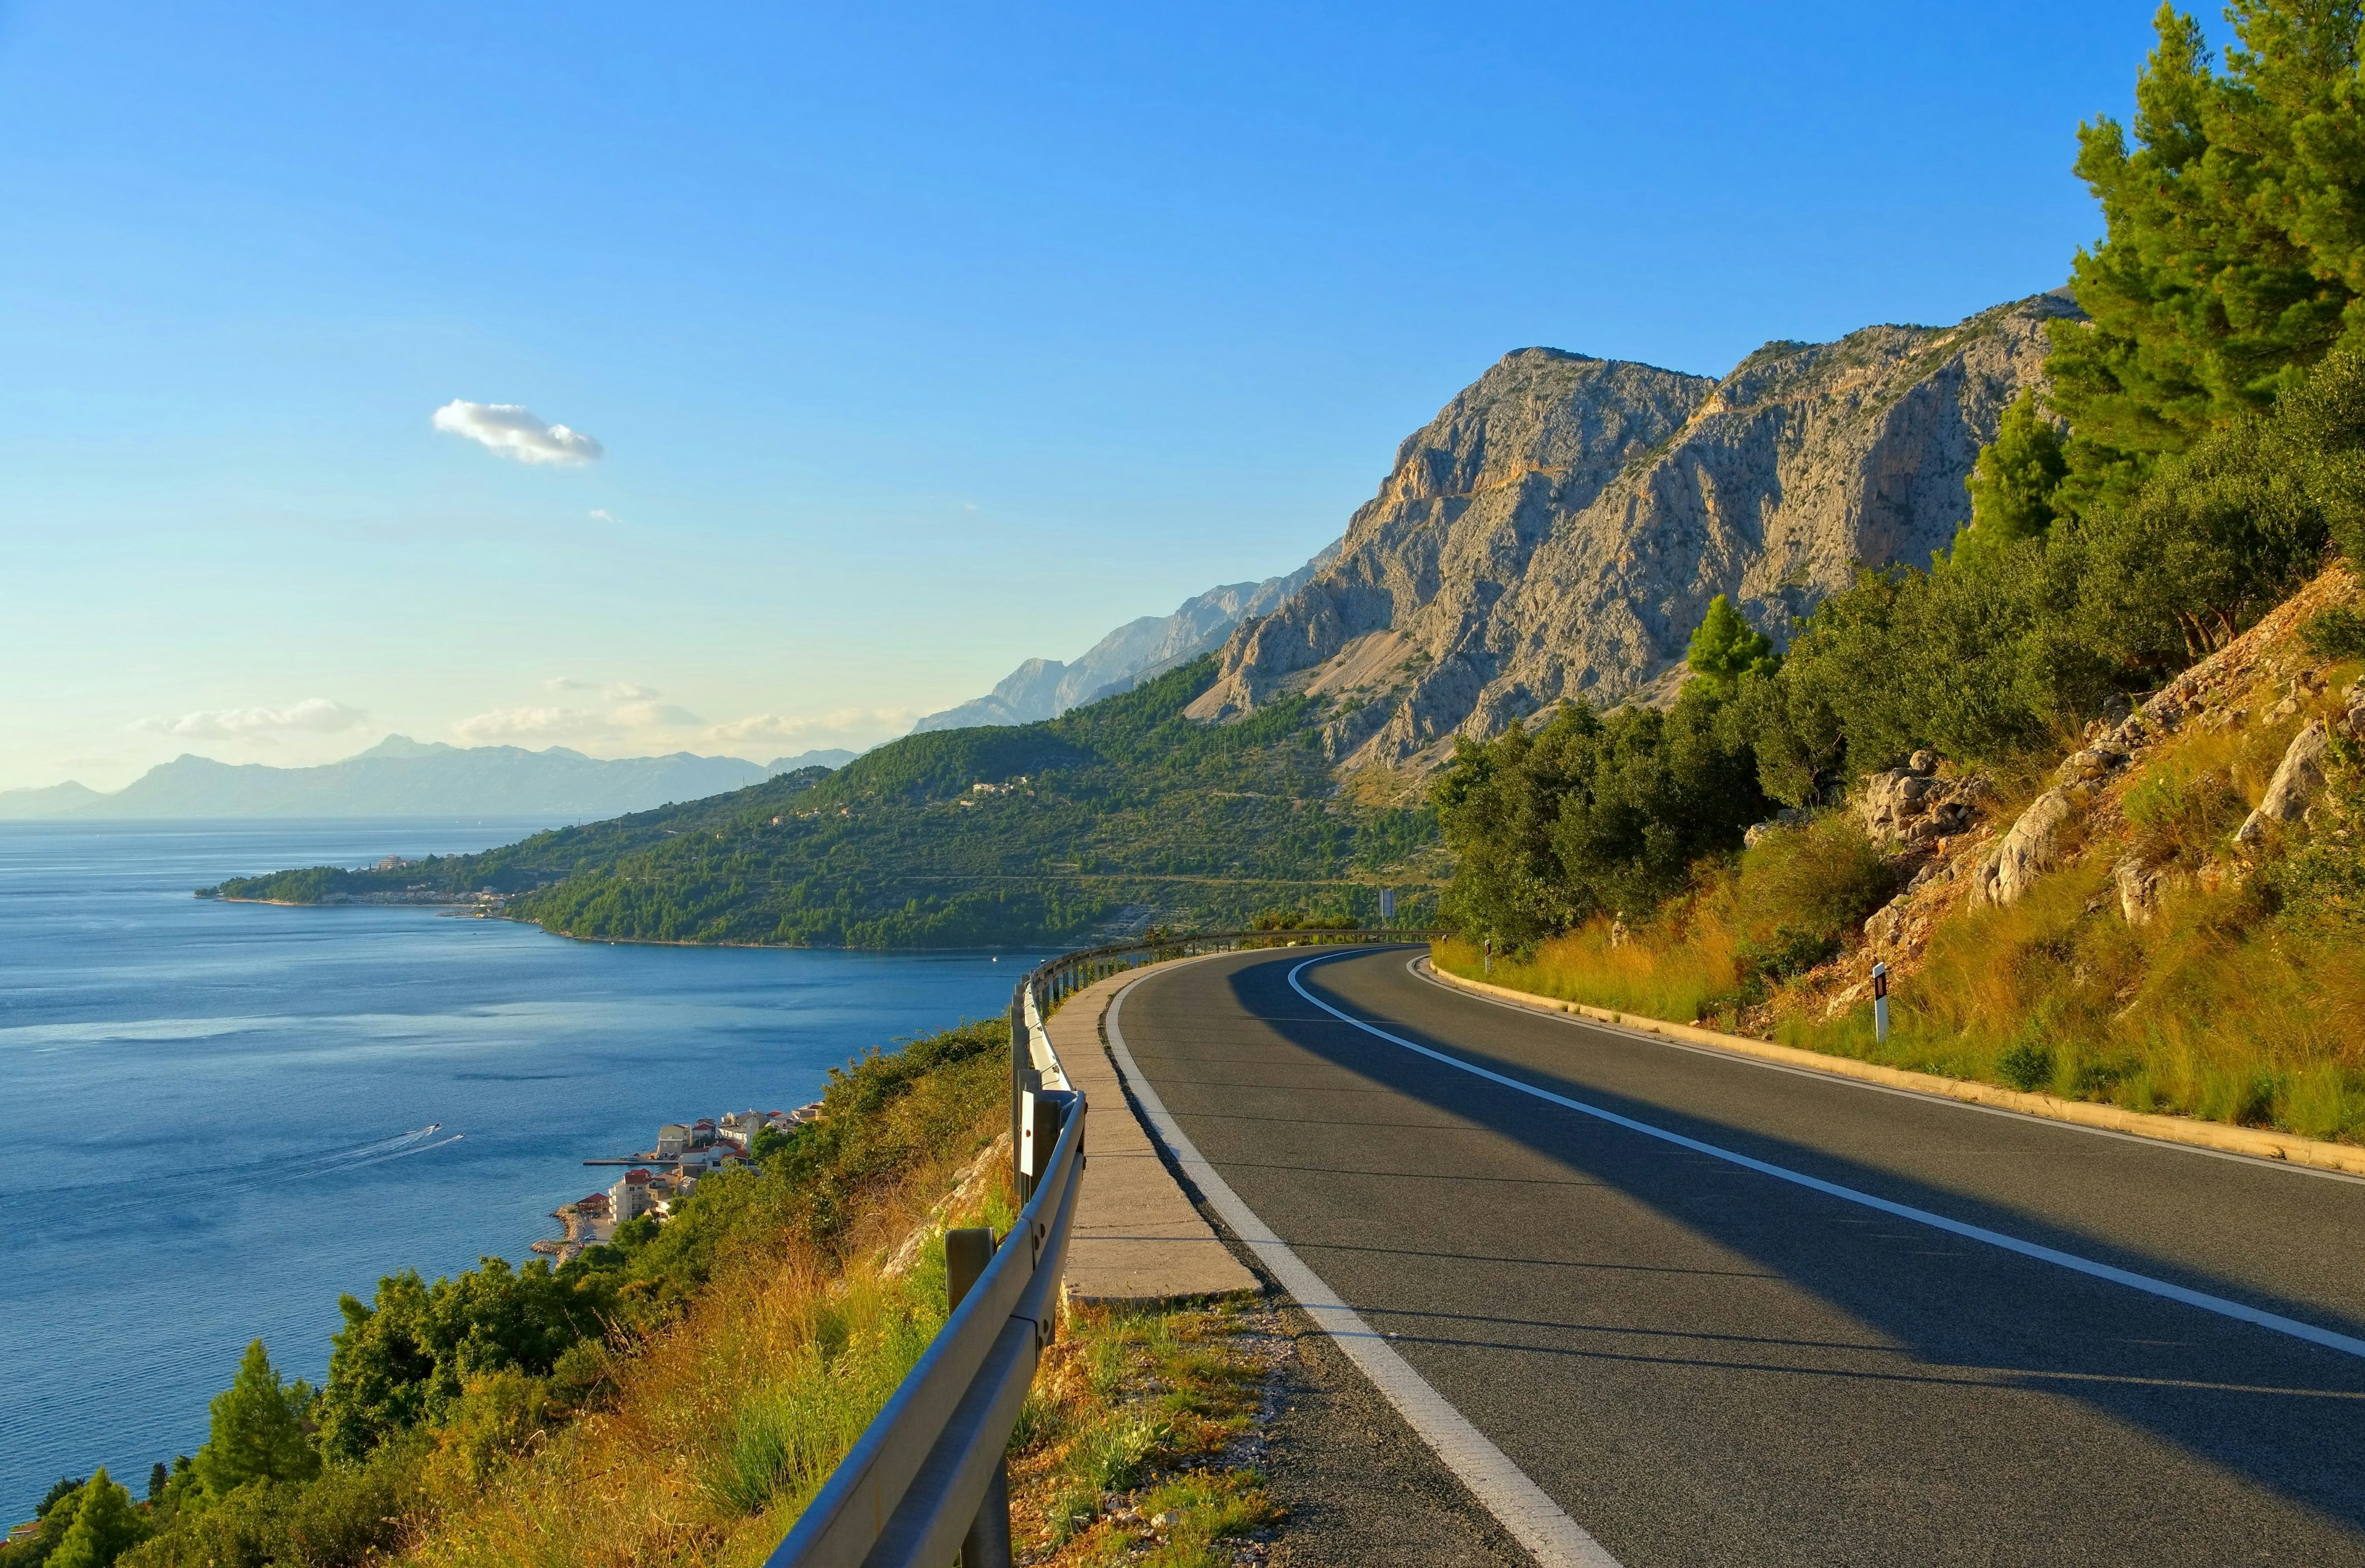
[1880,1002]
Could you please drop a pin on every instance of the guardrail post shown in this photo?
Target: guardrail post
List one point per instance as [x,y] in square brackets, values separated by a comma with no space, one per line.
[1040,1137]
[987,1544]
[1018,1065]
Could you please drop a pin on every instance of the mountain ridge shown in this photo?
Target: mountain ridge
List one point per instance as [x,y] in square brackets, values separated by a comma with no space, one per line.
[1558,530]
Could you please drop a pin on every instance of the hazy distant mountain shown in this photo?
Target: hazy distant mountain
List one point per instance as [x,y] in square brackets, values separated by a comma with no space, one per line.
[403,777]
[1045,689]
[833,758]
[56,800]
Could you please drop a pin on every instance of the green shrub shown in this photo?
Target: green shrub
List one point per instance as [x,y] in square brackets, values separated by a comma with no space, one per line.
[2026,1064]
[2182,815]
[1817,881]
[2336,631]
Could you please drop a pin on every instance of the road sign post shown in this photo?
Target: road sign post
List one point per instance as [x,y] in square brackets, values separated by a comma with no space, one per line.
[1880,1002]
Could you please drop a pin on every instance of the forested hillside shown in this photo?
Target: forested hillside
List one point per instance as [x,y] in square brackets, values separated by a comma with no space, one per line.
[1114,816]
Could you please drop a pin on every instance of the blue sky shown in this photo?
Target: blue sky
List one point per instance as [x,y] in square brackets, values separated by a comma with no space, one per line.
[914,341]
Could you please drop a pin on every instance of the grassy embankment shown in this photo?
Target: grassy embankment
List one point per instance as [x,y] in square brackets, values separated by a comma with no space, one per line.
[2238,1001]
[1120,813]
[747,1341]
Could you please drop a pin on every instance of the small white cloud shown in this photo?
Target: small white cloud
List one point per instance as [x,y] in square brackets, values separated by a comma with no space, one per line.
[513,431]
[846,722]
[529,724]
[613,690]
[652,715]
[314,715]
[761,727]
[557,722]
[603,514]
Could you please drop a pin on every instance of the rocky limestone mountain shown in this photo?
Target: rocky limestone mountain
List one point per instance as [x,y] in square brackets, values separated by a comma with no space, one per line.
[1149,645]
[1557,531]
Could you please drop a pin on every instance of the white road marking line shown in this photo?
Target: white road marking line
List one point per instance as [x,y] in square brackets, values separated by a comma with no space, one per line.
[2144,1283]
[1653,1037]
[1521,1506]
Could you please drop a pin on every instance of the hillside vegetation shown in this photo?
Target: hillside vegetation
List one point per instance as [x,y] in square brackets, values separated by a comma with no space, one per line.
[713,1366]
[1121,813]
[678,1396]
[2088,784]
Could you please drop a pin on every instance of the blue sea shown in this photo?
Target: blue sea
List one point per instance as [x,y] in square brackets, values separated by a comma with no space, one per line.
[217,1117]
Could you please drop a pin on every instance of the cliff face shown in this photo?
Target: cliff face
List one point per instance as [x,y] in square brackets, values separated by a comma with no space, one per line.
[1558,531]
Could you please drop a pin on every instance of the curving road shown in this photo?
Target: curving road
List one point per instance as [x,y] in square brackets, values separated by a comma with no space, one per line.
[1721,1313]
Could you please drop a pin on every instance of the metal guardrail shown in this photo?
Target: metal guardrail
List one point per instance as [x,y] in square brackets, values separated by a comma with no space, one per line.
[925,1481]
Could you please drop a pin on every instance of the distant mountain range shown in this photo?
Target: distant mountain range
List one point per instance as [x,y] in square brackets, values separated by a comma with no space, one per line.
[403,777]
[1135,651]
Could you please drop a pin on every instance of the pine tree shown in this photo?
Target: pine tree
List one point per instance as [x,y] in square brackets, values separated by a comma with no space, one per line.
[1727,647]
[104,1526]
[258,1428]
[2013,485]
[2234,256]
[159,1477]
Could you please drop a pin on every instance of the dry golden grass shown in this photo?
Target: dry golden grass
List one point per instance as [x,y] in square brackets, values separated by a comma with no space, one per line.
[724,1423]
[2218,1008]
[1661,972]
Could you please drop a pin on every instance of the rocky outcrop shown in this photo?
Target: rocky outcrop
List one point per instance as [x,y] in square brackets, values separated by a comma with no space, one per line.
[2031,848]
[1557,531]
[1912,807]
[2138,886]
[2298,780]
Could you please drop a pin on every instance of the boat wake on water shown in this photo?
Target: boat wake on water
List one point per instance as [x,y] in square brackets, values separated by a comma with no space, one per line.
[96,1200]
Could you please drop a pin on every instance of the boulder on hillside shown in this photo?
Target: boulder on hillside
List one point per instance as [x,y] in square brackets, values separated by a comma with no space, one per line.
[2031,848]
[2298,780]
[2139,885]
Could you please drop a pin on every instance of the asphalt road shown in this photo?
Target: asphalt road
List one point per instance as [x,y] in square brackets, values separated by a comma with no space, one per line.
[1705,1363]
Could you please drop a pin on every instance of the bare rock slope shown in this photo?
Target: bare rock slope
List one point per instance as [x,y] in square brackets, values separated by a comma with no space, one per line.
[1559,529]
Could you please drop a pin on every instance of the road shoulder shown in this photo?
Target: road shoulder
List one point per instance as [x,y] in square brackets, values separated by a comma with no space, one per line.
[2253,1143]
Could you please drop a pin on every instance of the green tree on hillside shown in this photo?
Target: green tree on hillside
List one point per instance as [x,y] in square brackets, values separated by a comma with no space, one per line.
[2012,486]
[1725,647]
[406,1358]
[1592,814]
[2234,256]
[105,1526]
[258,1428]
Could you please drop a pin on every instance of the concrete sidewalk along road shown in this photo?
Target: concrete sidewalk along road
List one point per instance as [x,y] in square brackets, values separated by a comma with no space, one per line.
[1137,1237]
[1703,1313]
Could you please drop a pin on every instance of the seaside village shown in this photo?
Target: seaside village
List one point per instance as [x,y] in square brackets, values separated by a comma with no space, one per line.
[685,1152]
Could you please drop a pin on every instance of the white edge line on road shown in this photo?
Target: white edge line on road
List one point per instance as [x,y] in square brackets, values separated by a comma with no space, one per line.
[1543,1009]
[1521,1506]
[2144,1283]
